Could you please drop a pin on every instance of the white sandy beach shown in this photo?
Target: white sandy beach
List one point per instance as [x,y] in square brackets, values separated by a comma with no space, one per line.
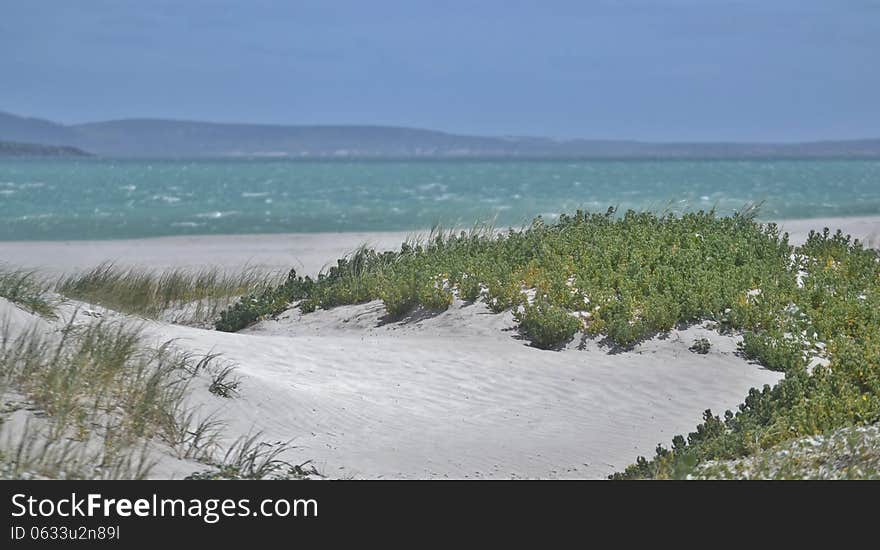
[308,253]
[456,395]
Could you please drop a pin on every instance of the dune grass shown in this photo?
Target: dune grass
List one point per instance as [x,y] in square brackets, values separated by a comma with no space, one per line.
[101,394]
[102,403]
[176,295]
[102,391]
[32,454]
[94,370]
[26,289]
[625,278]
[251,458]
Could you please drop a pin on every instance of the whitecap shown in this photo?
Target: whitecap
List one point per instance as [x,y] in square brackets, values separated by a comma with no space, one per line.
[217,214]
[433,186]
[166,198]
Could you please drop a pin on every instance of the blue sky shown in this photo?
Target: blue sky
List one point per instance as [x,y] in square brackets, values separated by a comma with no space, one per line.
[667,70]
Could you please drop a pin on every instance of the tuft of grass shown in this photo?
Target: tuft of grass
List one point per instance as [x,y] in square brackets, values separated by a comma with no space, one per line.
[102,393]
[35,454]
[193,435]
[95,369]
[177,295]
[250,458]
[224,383]
[26,289]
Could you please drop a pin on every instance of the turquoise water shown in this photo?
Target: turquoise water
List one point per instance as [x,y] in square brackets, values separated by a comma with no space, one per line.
[104,199]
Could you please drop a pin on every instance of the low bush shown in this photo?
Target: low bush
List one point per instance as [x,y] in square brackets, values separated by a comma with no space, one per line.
[264,302]
[635,275]
[546,325]
[836,305]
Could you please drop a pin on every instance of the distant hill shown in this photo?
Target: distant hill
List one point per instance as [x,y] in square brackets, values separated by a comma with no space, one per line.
[15,149]
[173,138]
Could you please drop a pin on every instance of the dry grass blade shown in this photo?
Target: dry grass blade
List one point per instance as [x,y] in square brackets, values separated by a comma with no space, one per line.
[26,289]
[102,393]
[177,295]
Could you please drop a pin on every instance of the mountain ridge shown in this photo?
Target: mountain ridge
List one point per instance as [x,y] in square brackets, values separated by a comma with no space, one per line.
[149,137]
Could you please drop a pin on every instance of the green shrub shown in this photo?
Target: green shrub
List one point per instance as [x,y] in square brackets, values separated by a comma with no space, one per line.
[265,302]
[701,346]
[636,274]
[469,287]
[547,326]
[776,352]
[837,305]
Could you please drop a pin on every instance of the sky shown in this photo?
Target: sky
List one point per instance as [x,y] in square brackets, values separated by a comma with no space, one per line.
[661,70]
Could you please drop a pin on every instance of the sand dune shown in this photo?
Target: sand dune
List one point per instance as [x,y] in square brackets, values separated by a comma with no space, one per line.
[454,395]
[459,396]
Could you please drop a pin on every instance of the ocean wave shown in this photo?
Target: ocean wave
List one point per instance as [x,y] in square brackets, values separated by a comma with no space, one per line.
[27,217]
[166,198]
[433,186]
[217,214]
